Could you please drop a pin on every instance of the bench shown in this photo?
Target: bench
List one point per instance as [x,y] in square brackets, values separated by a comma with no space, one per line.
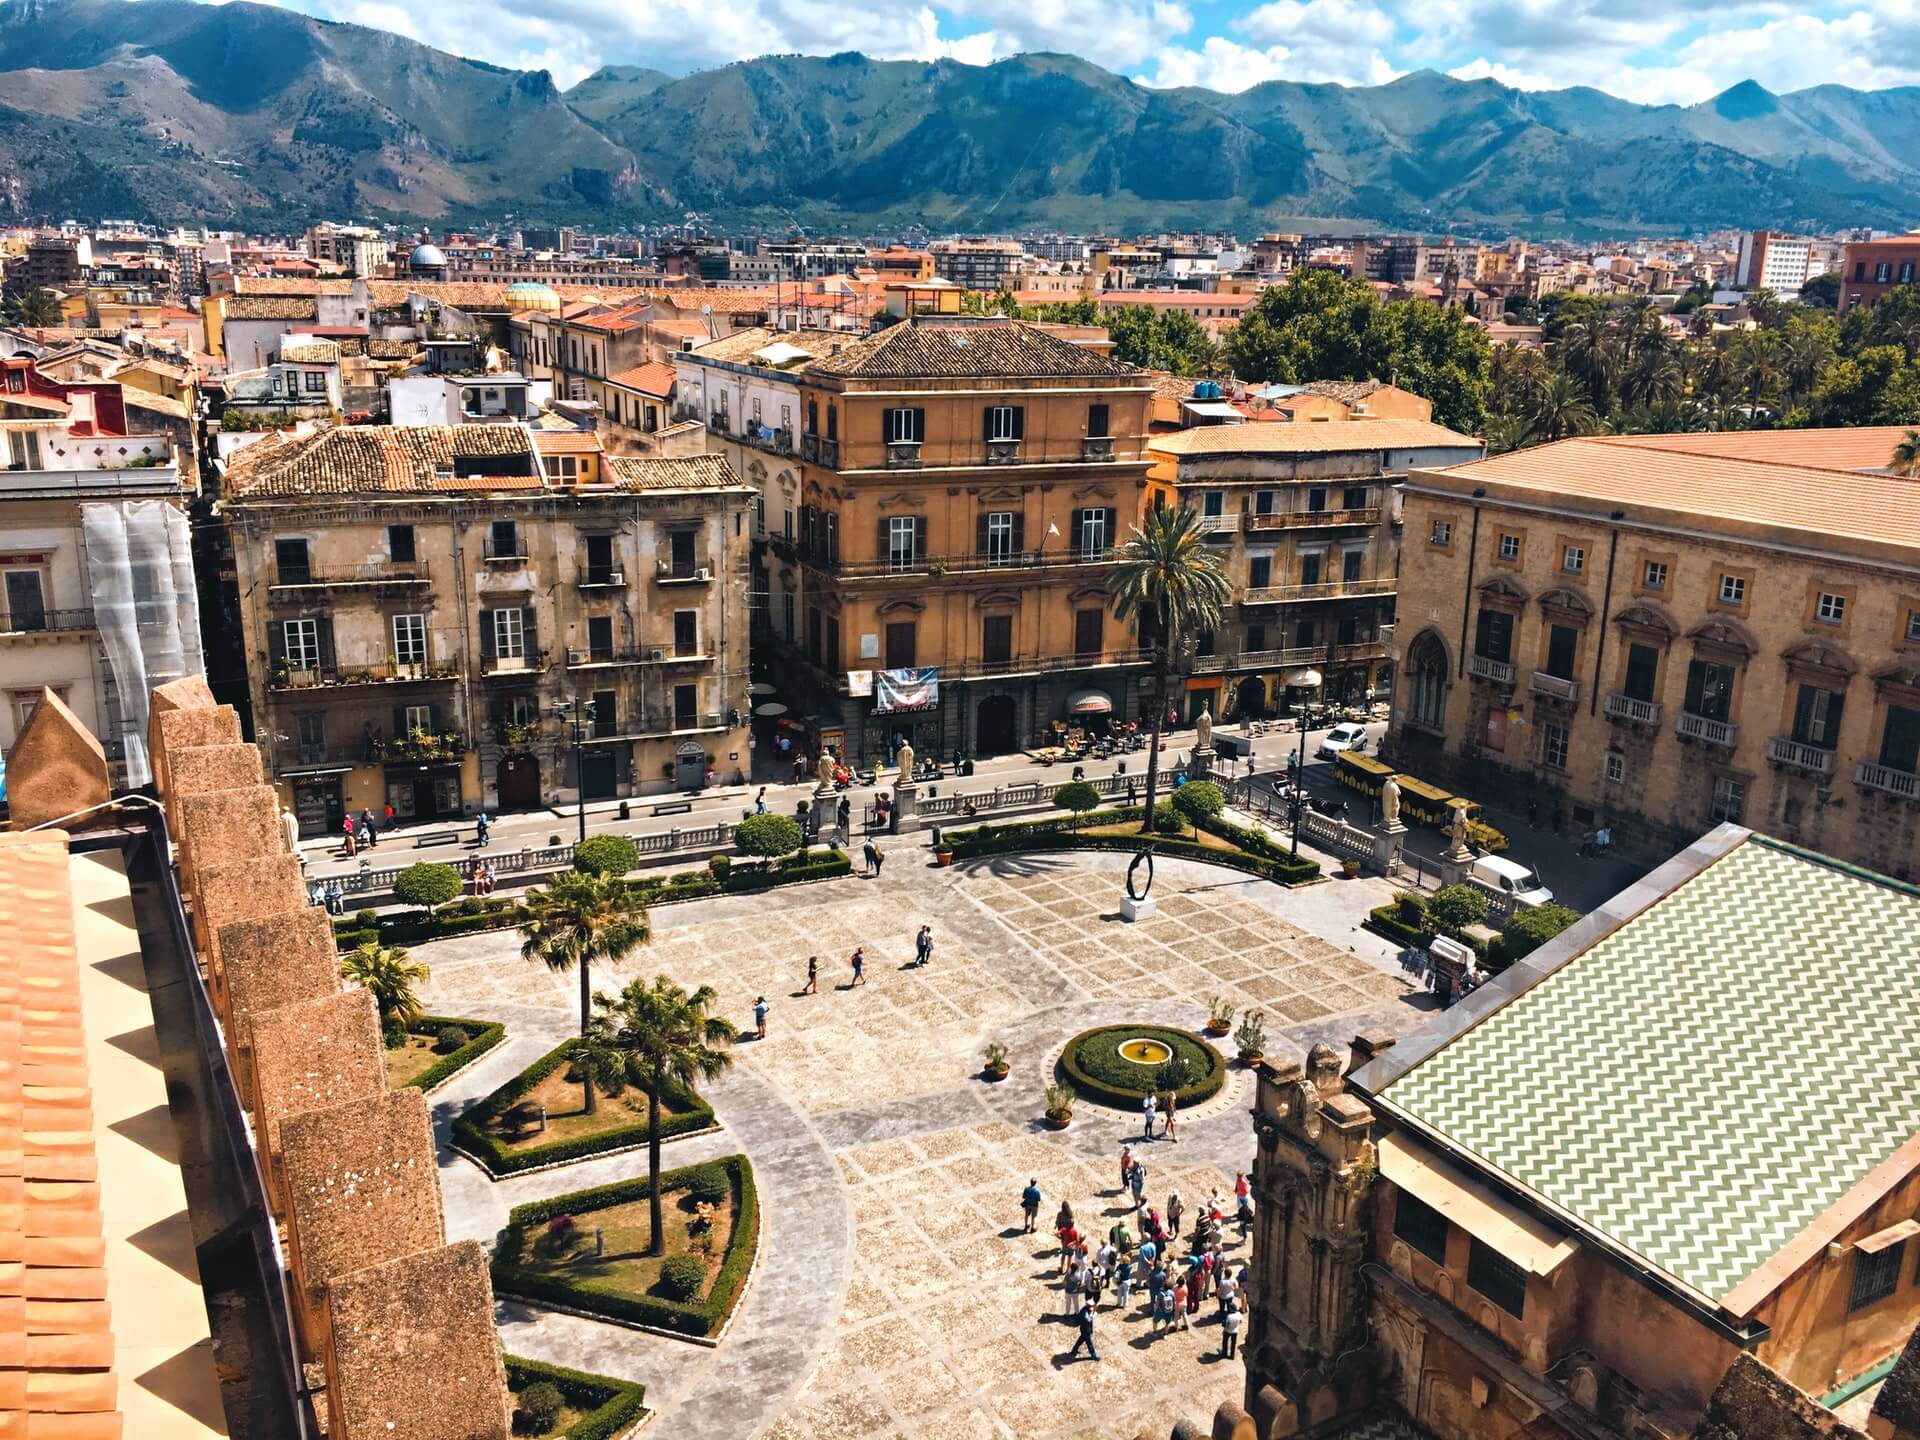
[673,807]
[436,837]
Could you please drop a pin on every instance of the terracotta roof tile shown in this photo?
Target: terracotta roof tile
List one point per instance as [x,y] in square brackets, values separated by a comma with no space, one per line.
[930,350]
[380,459]
[694,472]
[1862,447]
[567,442]
[652,378]
[272,307]
[1309,438]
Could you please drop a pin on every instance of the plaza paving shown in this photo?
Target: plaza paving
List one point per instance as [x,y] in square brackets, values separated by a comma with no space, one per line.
[893,1294]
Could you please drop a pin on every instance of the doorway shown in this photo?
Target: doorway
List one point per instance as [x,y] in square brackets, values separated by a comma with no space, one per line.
[518,781]
[1252,699]
[690,766]
[318,805]
[995,728]
[597,774]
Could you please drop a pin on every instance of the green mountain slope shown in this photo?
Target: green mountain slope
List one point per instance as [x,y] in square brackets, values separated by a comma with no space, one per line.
[171,109]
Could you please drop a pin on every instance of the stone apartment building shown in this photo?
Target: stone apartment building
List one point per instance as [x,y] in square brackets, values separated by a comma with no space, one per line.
[1665,632]
[1306,517]
[1870,269]
[963,487]
[417,603]
[1567,1209]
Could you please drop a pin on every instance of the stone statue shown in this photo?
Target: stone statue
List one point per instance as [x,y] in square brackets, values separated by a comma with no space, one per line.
[904,758]
[1457,830]
[290,827]
[823,768]
[1203,730]
[1144,857]
[1390,801]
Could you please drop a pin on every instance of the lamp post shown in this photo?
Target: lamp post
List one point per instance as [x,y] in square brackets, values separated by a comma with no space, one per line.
[565,710]
[1306,678]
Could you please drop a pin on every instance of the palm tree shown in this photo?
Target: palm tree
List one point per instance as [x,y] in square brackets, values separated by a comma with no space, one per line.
[577,920]
[1560,408]
[389,974]
[668,1038]
[38,309]
[1169,584]
[1906,455]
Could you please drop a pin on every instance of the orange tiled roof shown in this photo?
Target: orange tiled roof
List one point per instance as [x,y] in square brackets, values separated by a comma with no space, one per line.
[376,460]
[1861,447]
[693,472]
[567,442]
[51,1229]
[652,378]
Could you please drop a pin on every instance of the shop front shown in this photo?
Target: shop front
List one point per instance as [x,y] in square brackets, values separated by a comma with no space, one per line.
[424,791]
[1203,693]
[318,801]
[906,710]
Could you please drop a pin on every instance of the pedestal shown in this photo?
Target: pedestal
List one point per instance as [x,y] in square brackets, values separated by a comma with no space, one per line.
[1201,766]
[1454,865]
[1386,847]
[906,800]
[1132,909]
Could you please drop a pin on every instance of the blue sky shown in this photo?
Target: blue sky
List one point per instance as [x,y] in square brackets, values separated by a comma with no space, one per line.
[1657,51]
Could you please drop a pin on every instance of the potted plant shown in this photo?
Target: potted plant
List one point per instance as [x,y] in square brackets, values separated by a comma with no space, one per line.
[1350,867]
[1059,1106]
[1251,1038]
[996,1067]
[943,853]
[1220,1013]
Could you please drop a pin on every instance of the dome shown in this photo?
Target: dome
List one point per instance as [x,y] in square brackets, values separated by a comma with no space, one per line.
[532,295]
[427,257]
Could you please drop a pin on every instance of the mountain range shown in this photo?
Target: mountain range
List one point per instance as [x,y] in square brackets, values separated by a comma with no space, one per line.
[248,114]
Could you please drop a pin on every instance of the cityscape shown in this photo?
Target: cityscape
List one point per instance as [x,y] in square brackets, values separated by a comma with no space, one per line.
[695,751]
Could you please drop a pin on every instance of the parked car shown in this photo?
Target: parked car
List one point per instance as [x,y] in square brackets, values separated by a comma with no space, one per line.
[1512,878]
[1349,735]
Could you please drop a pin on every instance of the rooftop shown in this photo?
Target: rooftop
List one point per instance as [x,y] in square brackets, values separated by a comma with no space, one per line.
[694,472]
[932,351]
[652,378]
[1766,990]
[272,307]
[371,459]
[1849,448]
[743,346]
[1311,438]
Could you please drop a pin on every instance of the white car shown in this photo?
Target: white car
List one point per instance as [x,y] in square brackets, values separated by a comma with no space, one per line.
[1348,736]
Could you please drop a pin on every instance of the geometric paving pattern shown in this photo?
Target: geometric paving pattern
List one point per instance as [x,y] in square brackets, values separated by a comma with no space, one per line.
[1706,1081]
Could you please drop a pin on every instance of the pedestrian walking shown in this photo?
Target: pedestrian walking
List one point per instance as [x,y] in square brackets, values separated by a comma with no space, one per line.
[1123,1285]
[1227,1288]
[1244,1215]
[1086,1335]
[1175,1209]
[386,816]
[1147,1107]
[1096,1284]
[760,1018]
[1120,1238]
[923,946]
[1030,1205]
[346,828]
[367,829]
[859,966]
[1229,1330]
[1180,1303]
[879,859]
[1126,1167]
[1166,1126]
[1139,1184]
[1073,1293]
[760,802]
[813,976]
[482,830]
[871,854]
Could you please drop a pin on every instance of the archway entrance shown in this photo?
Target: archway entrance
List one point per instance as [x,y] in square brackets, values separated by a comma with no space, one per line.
[1251,699]
[994,730]
[518,781]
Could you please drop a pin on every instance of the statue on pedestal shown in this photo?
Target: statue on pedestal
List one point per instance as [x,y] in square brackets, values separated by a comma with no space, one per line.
[904,757]
[1203,730]
[1457,831]
[823,771]
[1390,802]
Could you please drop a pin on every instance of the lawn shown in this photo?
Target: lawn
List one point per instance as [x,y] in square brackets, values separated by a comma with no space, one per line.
[419,1061]
[1131,829]
[624,1267]
[598,1405]
[564,1100]
[411,1061]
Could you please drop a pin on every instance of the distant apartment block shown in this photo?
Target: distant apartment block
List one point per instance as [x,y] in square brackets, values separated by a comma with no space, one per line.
[1769,260]
[1873,267]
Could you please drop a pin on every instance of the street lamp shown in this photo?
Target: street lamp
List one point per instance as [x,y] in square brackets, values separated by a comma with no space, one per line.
[565,710]
[1306,678]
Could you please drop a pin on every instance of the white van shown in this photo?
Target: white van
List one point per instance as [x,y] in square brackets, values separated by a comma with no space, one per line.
[1512,878]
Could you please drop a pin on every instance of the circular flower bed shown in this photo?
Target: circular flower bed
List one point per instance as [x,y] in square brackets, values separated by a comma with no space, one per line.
[1094,1065]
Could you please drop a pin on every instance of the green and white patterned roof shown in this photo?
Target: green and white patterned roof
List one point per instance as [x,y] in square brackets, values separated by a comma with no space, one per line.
[1703,1083]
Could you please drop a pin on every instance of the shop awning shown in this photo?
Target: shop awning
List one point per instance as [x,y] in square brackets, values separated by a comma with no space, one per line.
[1475,1208]
[1089,702]
[1892,1235]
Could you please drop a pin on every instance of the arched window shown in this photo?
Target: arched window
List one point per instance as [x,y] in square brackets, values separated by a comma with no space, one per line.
[1427,676]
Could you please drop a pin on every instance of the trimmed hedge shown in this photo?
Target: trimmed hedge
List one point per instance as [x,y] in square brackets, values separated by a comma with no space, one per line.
[1102,1076]
[464,917]
[486,1034]
[613,1406]
[470,1126]
[1258,855]
[1385,920]
[690,1317]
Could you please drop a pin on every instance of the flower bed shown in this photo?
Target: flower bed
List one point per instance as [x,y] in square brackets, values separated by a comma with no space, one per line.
[484,1035]
[1254,852]
[609,1292]
[609,1408]
[472,1135]
[1093,1065]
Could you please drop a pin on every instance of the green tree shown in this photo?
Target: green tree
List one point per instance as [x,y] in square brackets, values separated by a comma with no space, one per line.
[1079,797]
[1822,291]
[576,921]
[669,1039]
[427,885]
[1559,408]
[1527,930]
[1435,353]
[1169,584]
[769,835]
[1318,326]
[1199,800]
[614,855]
[36,309]
[389,974]
[1455,907]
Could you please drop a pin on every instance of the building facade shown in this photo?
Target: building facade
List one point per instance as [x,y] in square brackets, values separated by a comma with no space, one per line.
[1768,260]
[1871,268]
[1306,518]
[419,603]
[1667,632]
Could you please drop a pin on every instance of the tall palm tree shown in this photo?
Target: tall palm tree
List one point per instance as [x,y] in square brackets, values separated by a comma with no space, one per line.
[389,974]
[38,309]
[668,1038]
[1906,455]
[1170,585]
[577,920]
[1561,408]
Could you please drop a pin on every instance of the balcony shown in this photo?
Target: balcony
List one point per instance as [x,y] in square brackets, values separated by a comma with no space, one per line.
[1554,687]
[829,453]
[1625,707]
[25,621]
[1096,447]
[509,667]
[589,657]
[924,566]
[602,577]
[657,725]
[515,554]
[297,586]
[1480,667]
[903,454]
[1209,524]
[317,677]
[1237,662]
[1041,665]
[291,755]
[1798,755]
[1689,726]
[1314,519]
[674,572]
[1330,590]
[1003,452]
[1903,784]
[448,745]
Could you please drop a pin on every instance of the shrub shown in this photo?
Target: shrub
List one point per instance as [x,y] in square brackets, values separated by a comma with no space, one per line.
[485,1034]
[540,1405]
[1527,930]
[1093,1063]
[1166,819]
[1251,1038]
[393,1037]
[719,866]
[1079,797]
[1220,1012]
[681,1276]
[710,1185]
[1199,801]
[1411,908]
[611,1406]
[426,885]
[451,1038]
[995,1056]
[606,855]
[768,835]
[1454,908]
[1258,855]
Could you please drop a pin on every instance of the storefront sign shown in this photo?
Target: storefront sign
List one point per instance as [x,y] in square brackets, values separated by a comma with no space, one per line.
[860,683]
[912,689]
